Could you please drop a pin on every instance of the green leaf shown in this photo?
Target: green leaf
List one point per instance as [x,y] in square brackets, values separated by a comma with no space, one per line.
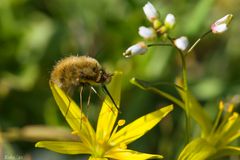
[148,88]
[197,113]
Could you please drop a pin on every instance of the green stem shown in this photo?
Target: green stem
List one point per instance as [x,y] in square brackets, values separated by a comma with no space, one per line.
[158,44]
[185,87]
[197,41]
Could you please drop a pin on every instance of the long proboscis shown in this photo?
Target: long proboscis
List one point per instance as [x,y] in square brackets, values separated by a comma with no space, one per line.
[110,96]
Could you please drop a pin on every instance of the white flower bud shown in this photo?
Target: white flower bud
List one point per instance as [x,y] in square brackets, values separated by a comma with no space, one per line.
[150,12]
[169,21]
[146,33]
[181,43]
[221,25]
[139,48]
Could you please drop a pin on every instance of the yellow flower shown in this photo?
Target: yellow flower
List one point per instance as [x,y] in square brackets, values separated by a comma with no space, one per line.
[106,142]
[215,144]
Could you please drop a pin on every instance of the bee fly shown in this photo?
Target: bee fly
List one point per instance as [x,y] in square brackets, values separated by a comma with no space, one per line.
[79,71]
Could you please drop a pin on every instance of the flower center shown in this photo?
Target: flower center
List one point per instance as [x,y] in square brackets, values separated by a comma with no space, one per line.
[100,148]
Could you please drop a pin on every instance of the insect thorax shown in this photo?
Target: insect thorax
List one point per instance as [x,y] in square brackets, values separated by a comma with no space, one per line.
[74,71]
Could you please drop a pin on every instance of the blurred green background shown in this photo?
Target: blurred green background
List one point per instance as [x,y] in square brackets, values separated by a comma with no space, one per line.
[35,34]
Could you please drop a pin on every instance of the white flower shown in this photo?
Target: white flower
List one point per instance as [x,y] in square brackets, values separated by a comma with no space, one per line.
[146,33]
[150,11]
[139,48]
[219,28]
[221,25]
[181,43]
[169,20]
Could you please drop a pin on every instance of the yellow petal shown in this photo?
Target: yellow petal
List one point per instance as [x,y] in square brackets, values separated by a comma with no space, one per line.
[94,158]
[74,116]
[198,149]
[108,114]
[226,151]
[230,130]
[64,147]
[232,137]
[127,154]
[139,127]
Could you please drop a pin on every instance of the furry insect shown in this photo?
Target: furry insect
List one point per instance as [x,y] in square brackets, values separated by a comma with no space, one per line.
[79,71]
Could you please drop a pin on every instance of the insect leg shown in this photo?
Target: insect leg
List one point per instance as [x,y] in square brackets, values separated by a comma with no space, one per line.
[81,107]
[102,99]
[89,99]
[68,92]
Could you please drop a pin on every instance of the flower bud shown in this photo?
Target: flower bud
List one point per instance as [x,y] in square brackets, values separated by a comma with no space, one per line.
[169,21]
[156,24]
[162,30]
[221,25]
[146,33]
[181,43]
[150,12]
[139,48]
